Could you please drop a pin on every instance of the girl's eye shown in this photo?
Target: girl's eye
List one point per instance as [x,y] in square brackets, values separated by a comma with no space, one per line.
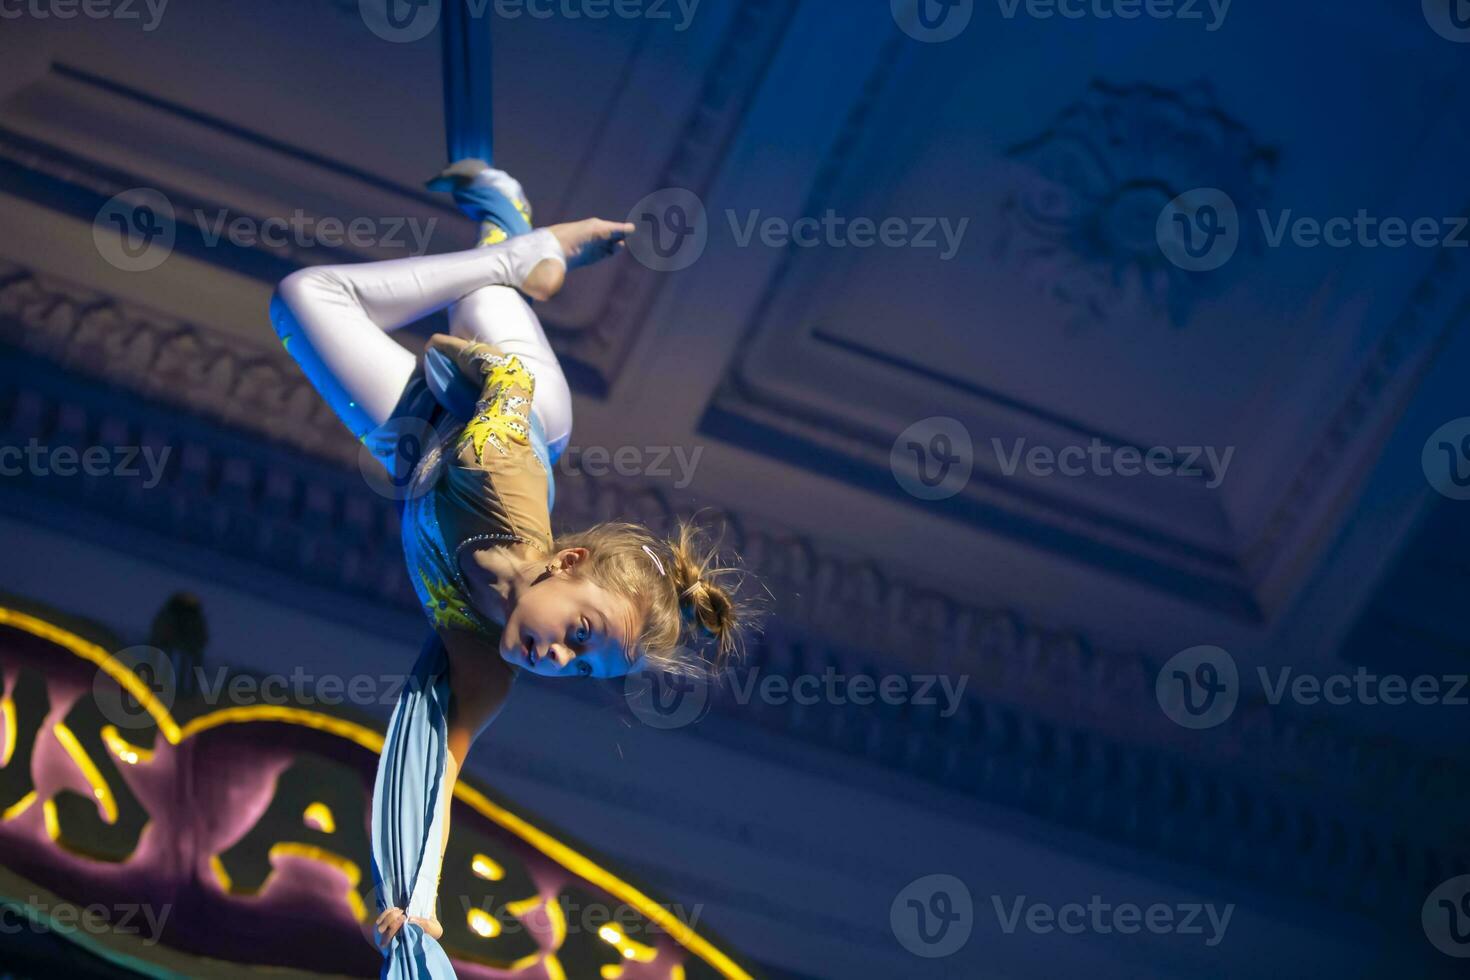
[582,633]
[584,668]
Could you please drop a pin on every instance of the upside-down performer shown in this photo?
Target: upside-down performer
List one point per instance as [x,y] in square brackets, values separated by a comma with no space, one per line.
[501,592]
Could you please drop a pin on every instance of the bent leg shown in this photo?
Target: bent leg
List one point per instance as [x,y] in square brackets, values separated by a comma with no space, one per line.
[502,317]
[334,319]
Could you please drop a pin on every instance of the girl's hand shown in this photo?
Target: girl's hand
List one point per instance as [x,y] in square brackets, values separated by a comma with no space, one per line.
[392,921]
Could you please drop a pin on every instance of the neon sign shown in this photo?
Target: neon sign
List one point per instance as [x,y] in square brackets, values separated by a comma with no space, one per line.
[247,827]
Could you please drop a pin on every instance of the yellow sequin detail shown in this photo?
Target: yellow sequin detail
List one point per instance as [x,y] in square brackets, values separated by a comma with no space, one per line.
[504,409]
[493,234]
[446,606]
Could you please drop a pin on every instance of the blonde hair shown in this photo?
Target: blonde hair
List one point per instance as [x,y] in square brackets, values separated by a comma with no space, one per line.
[676,589]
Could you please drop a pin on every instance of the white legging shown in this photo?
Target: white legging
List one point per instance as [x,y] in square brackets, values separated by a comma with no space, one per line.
[335,321]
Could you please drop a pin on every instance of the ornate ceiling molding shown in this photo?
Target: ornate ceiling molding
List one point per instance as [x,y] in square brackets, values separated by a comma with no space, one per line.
[1249,578]
[750,42]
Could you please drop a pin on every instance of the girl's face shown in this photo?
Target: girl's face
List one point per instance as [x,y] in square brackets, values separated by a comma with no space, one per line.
[565,625]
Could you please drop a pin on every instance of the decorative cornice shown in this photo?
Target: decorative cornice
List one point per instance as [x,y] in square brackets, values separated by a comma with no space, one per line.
[80,183]
[205,371]
[592,357]
[751,40]
[1436,306]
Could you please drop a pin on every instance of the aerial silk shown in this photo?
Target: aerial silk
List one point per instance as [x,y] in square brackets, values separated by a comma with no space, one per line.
[409,799]
[469,117]
[409,802]
[408,818]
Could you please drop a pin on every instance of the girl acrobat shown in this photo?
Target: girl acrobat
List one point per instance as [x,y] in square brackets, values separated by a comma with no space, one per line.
[502,593]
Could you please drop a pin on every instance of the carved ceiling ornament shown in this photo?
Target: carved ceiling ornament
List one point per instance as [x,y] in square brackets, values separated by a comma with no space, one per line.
[1084,228]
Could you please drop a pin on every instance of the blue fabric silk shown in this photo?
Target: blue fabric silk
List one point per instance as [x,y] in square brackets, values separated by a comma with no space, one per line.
[406,817]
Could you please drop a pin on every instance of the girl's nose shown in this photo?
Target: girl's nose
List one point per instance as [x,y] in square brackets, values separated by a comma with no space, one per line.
[560,654]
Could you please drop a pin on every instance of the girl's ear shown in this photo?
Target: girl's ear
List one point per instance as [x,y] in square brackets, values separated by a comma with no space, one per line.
[569,558]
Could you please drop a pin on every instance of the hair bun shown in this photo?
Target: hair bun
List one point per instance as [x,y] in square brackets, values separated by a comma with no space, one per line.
[704,602]
[684,599]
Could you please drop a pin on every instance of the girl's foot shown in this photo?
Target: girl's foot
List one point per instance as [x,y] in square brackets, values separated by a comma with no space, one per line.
[491,197]
[582,243]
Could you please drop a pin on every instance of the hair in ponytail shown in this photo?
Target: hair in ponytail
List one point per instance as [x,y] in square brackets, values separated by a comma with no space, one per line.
[692,620]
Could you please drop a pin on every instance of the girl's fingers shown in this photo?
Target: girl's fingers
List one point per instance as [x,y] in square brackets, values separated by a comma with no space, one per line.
[394,919]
